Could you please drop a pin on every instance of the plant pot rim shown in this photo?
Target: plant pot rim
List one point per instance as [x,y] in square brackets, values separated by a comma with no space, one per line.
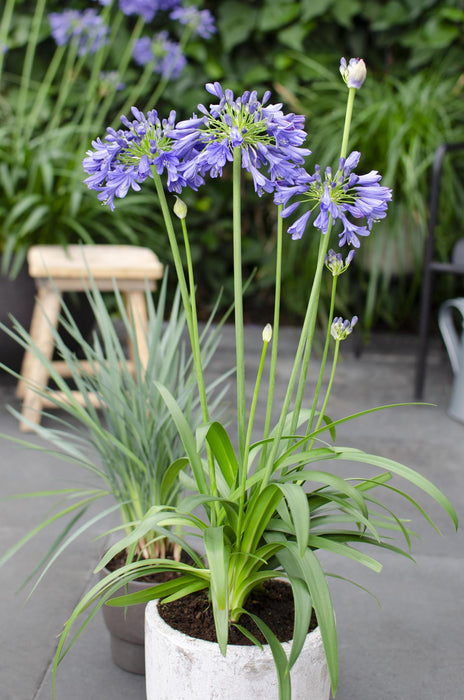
[153,618]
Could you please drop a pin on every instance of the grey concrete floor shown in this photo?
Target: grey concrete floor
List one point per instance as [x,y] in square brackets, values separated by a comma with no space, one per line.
[410,648]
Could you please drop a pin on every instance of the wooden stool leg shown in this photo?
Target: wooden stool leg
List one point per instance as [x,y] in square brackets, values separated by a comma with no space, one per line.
[137,310]
[33,371]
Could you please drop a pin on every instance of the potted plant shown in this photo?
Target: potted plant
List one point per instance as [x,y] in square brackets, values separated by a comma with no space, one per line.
[119,433]
[262,507]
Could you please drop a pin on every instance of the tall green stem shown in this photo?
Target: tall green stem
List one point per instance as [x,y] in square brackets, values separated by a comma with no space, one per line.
[238,303]
[191,320]
[191,325]
[347,125]
[244,472]
[28,62]
[4,30]
[324,355]
[275,332]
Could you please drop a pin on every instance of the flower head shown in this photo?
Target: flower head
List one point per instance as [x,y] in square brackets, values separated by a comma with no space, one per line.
[334,262]
[126,157]
[335,196]
[354,73]
[269,140]
[147,9]
[87,28]
[201,21]
[110,81]
[166,55]
[341,329]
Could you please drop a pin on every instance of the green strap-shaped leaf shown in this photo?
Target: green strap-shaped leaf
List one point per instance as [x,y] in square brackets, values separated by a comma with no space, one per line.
[223,451]
[218,561]
[303,610]
[354,455]
[170,477]
[259,512]
[298,504]
[279,656]
[187,437]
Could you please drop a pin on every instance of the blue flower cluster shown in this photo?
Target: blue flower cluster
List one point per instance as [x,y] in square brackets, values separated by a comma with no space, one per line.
[271,151]
[87,28]
[201,21]
[166,55]
[91,32]
[335,197]
[125,158]
[270,141]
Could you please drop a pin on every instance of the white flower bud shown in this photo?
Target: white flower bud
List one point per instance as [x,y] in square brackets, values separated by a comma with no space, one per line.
[354,73]
[267,333]
[180,208]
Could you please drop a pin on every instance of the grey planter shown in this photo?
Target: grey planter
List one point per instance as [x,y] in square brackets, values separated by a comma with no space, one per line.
[126,628]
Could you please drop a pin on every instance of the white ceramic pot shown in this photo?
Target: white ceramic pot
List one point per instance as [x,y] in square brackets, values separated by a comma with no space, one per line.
[185,668]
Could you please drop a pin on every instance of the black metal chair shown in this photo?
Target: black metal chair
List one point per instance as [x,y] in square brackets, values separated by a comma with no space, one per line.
[431,266]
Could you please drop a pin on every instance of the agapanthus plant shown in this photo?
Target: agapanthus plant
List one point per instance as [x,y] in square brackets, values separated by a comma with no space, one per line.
[269,504]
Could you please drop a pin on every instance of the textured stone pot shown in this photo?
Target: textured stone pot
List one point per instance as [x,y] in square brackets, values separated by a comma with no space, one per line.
[185,668]
[126,628]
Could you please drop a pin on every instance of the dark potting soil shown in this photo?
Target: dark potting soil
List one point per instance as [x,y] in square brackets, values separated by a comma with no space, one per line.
[193,614]
[120,560]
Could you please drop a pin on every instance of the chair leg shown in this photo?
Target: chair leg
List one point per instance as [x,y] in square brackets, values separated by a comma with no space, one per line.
[34,373]
[137,310]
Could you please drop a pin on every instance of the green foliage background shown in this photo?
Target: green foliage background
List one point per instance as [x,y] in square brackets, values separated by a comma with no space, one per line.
[410,104]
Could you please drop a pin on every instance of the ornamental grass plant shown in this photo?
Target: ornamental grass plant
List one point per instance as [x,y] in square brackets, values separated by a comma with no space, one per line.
[118,436]
[261,507]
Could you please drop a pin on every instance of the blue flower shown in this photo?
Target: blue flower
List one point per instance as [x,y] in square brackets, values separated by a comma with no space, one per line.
[87,28]
[341,329]
[166,55]
[354,73]
[126,157]
[147,9]
[335,196]
[201,21]
[270,141]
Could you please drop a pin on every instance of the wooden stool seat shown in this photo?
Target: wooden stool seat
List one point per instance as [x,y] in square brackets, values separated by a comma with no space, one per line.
[56,269]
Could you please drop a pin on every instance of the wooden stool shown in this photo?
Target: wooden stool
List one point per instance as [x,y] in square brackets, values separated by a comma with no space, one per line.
[56,269]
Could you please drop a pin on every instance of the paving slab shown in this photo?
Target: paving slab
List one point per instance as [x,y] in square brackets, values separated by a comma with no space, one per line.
[410,649]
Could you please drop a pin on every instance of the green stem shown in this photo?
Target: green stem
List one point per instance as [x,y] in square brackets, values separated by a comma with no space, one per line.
[28,62]
[347,125]
[313,305]
[244,472]
[323,362]
[275,329]
[43,92]
[191,321]
[238,303]
[193,331]
[98,59]
[4,29]
[329,388]
[196,344]
[122,67]
[71,70]
[161,87]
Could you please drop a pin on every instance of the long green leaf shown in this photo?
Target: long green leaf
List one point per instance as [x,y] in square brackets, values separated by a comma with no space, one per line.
[223,451]
[218,560]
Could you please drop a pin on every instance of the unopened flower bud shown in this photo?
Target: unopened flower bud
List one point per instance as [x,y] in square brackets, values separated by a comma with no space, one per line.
[180,208]
[267,333]
[334,262]
[354,73]
[341,329]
